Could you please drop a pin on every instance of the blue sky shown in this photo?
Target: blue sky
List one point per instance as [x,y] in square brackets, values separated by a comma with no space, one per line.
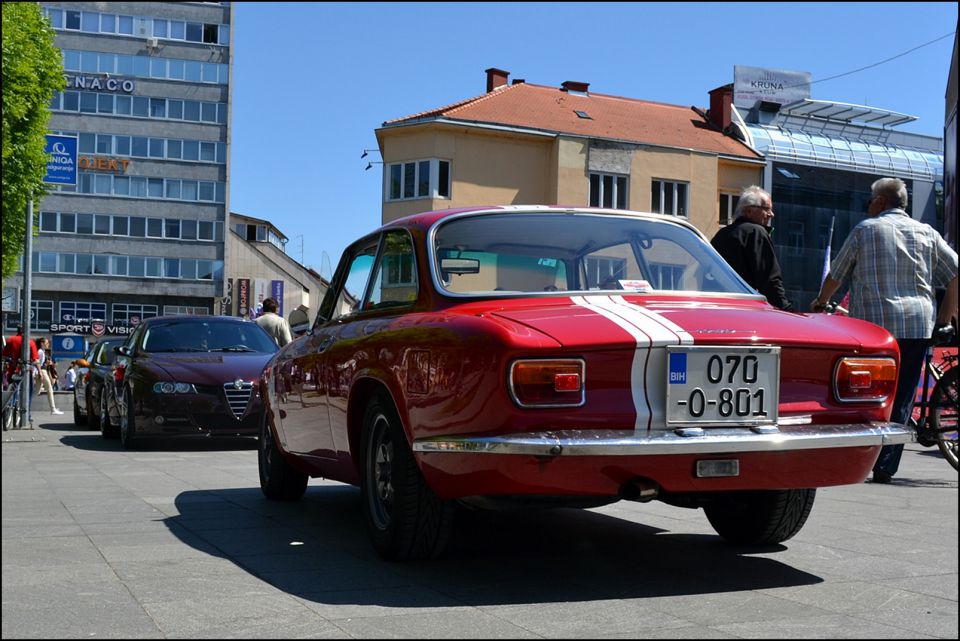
[312,81]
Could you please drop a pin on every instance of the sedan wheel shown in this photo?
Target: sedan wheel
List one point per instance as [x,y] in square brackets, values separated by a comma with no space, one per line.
[107,429]
[406,520]
[760,518]
[78,418]
[93,415]
[278,479]
[127,422]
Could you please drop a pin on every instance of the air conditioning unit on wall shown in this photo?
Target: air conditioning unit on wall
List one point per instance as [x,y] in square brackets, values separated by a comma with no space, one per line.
[153,43]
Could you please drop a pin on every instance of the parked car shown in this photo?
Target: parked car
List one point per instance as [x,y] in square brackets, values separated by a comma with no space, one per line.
[191,375]
[568,356]
[95,372]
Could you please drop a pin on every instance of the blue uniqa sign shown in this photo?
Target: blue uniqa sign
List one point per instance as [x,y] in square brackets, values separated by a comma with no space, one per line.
[62,160]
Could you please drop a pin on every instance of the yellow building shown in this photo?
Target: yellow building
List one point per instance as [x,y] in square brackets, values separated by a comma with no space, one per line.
[523,143]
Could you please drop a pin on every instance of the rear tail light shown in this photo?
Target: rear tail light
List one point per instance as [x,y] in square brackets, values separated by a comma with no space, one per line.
[118,373]
[547,382]
[865,379]
[86,377]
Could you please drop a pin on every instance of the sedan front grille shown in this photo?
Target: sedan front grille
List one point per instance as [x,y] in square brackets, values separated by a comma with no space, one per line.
[238,396]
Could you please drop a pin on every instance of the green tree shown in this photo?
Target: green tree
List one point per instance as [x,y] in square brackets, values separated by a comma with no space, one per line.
[32,71]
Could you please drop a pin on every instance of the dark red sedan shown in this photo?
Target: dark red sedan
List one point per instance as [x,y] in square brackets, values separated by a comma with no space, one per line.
[568,356]
[190,376]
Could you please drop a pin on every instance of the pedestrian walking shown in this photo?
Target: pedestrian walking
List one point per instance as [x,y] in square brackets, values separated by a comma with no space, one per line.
[273,323]
[895,264]
[44,384]
[12,352]
[746,245]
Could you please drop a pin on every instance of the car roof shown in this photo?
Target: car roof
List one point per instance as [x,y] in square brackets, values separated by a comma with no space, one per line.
[153,320]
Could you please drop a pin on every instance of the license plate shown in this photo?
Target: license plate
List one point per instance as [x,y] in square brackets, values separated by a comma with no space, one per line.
[722,385]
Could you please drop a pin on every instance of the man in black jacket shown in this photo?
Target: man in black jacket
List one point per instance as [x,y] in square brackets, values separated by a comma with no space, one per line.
[745,244]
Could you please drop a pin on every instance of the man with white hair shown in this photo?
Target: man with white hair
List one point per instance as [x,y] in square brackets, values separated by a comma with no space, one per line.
[895,264]
[746,245]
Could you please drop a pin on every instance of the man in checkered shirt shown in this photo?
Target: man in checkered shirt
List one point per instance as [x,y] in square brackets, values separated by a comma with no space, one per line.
[895,264]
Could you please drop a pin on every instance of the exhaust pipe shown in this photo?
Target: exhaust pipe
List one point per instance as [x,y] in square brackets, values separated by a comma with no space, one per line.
[639,489]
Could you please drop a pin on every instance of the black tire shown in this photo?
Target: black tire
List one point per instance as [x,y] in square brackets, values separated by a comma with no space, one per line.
[405,519]
[107,429]
[943,415]
[760,517]
[278,479]
[78,418]
[93,414]
[128,425]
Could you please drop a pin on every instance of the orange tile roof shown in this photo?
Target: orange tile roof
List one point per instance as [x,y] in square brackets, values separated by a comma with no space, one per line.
[611,117]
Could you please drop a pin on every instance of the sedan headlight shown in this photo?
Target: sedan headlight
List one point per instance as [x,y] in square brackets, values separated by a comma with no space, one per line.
[173,387]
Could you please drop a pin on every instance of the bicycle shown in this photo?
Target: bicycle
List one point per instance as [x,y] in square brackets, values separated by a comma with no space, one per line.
[935,415]
[11,402]
[934,419]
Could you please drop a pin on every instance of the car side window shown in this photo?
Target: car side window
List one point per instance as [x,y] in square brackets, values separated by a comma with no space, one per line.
[351,293]
[395,280]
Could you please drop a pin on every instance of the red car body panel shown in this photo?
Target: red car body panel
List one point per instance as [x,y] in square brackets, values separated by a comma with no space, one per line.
[445,361]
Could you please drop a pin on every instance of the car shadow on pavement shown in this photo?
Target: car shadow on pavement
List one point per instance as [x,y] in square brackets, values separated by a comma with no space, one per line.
[317,549]
[93,442]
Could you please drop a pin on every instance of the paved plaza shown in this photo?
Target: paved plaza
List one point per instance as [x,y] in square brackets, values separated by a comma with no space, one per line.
[175,540]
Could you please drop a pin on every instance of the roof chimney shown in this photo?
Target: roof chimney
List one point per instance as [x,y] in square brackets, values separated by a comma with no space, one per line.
[496,78]
[721,101]
[573,85]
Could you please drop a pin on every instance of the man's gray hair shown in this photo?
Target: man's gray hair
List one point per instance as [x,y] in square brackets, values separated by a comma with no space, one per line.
[893,190]
[752,196]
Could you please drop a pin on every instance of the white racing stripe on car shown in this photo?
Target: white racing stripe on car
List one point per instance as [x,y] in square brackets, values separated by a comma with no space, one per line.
[650,330]
[680,334]
[638,368]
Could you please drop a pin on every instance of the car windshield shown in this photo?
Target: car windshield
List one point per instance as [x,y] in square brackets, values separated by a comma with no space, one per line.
[514,253]
[207,336]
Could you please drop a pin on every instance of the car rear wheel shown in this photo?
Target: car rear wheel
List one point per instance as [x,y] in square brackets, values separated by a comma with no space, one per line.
[406,520]
[127,423]
[762,517]
[278,479]
[78,418]
[107,430]
[93,415]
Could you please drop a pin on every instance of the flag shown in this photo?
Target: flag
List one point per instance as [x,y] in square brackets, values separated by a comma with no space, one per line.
[826,254]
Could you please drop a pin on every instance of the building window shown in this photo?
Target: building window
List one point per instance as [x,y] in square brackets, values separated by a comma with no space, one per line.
[669,198]
[418,179]
[41,317]
[77,312]
[131,314]
[608,190]
[666,276]
[169,310]
[728,207]
[602,270]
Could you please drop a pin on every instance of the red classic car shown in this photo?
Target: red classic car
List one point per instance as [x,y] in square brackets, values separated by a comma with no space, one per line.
[568,356]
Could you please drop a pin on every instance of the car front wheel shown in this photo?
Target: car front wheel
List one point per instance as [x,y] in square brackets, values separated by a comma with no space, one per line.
[278,479]
[127,422]
[760,518]
[406,520]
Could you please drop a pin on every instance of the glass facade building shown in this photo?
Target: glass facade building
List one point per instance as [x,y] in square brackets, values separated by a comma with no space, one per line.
[822,158]
[142,233]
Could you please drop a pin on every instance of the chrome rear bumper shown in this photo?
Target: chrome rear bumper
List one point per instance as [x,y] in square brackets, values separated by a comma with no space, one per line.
[678,441]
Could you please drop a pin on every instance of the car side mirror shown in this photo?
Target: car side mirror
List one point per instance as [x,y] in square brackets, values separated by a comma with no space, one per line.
[122,350]
[299,321]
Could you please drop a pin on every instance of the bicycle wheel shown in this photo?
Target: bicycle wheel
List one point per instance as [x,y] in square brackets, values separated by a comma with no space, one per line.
[943,415]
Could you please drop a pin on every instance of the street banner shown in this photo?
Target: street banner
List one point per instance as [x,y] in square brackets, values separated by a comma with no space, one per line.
[276,293]
[62,160]
[243,296]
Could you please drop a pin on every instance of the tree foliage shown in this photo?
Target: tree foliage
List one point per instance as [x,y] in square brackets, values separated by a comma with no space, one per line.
[32,71]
